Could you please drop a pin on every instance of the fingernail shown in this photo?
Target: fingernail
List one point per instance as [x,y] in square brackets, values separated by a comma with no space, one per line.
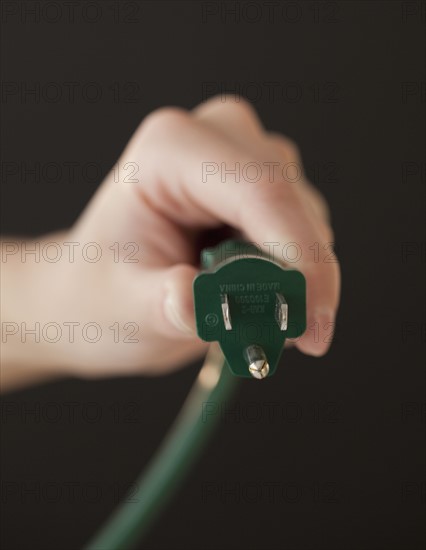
[172,312]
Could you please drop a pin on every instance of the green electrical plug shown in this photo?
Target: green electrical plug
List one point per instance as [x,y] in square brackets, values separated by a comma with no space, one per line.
[249,304]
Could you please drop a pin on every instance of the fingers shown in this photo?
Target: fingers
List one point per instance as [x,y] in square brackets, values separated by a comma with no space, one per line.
[192,176]
[232,117]
[319,264]
[278,215]
[310,223]
[186,170]
[312,197]
[237,120]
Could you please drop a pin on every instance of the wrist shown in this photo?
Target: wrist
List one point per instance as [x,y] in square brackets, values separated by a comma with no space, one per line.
[33,290]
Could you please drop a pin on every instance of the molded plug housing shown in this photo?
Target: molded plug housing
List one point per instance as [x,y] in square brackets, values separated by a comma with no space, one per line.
[249,304]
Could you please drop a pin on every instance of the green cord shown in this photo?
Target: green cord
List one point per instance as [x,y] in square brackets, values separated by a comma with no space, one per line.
[181,446]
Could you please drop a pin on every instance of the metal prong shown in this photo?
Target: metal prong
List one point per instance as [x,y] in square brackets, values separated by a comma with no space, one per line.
[281,312]
[226,311]
[257,362]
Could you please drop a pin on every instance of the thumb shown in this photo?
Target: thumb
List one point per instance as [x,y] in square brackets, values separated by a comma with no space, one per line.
[169,301]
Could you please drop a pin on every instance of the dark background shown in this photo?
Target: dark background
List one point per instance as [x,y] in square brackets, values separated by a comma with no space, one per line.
[344,448]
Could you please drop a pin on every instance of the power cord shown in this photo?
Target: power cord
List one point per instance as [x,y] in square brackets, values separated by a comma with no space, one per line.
[173,459]
[249,304]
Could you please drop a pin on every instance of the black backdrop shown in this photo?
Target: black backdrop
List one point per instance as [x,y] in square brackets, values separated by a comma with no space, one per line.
[339,461]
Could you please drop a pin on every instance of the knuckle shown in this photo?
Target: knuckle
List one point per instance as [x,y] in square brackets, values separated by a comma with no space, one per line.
[181,273]
[265,196]
[288,148]
[233,104]
[165,121]
[328,232]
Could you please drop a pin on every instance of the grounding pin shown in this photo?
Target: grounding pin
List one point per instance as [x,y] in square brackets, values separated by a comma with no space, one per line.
[257,362]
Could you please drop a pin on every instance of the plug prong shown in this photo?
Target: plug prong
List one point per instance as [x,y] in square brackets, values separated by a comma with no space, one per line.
[226,313]
[257,362]
[281,312]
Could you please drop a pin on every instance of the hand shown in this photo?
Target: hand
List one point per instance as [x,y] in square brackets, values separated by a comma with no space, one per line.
[162,211]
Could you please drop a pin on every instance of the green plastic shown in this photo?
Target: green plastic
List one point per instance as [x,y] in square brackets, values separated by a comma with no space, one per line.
[251,281]
[231,263]
[168,468]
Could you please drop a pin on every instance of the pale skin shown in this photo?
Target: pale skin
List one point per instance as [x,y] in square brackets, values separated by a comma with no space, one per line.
[150,301]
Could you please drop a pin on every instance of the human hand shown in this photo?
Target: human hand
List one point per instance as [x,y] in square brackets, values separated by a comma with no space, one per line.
[160,210]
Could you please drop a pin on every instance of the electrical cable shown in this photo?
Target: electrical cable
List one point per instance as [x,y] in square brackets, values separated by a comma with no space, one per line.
[172,461]
[247,291]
